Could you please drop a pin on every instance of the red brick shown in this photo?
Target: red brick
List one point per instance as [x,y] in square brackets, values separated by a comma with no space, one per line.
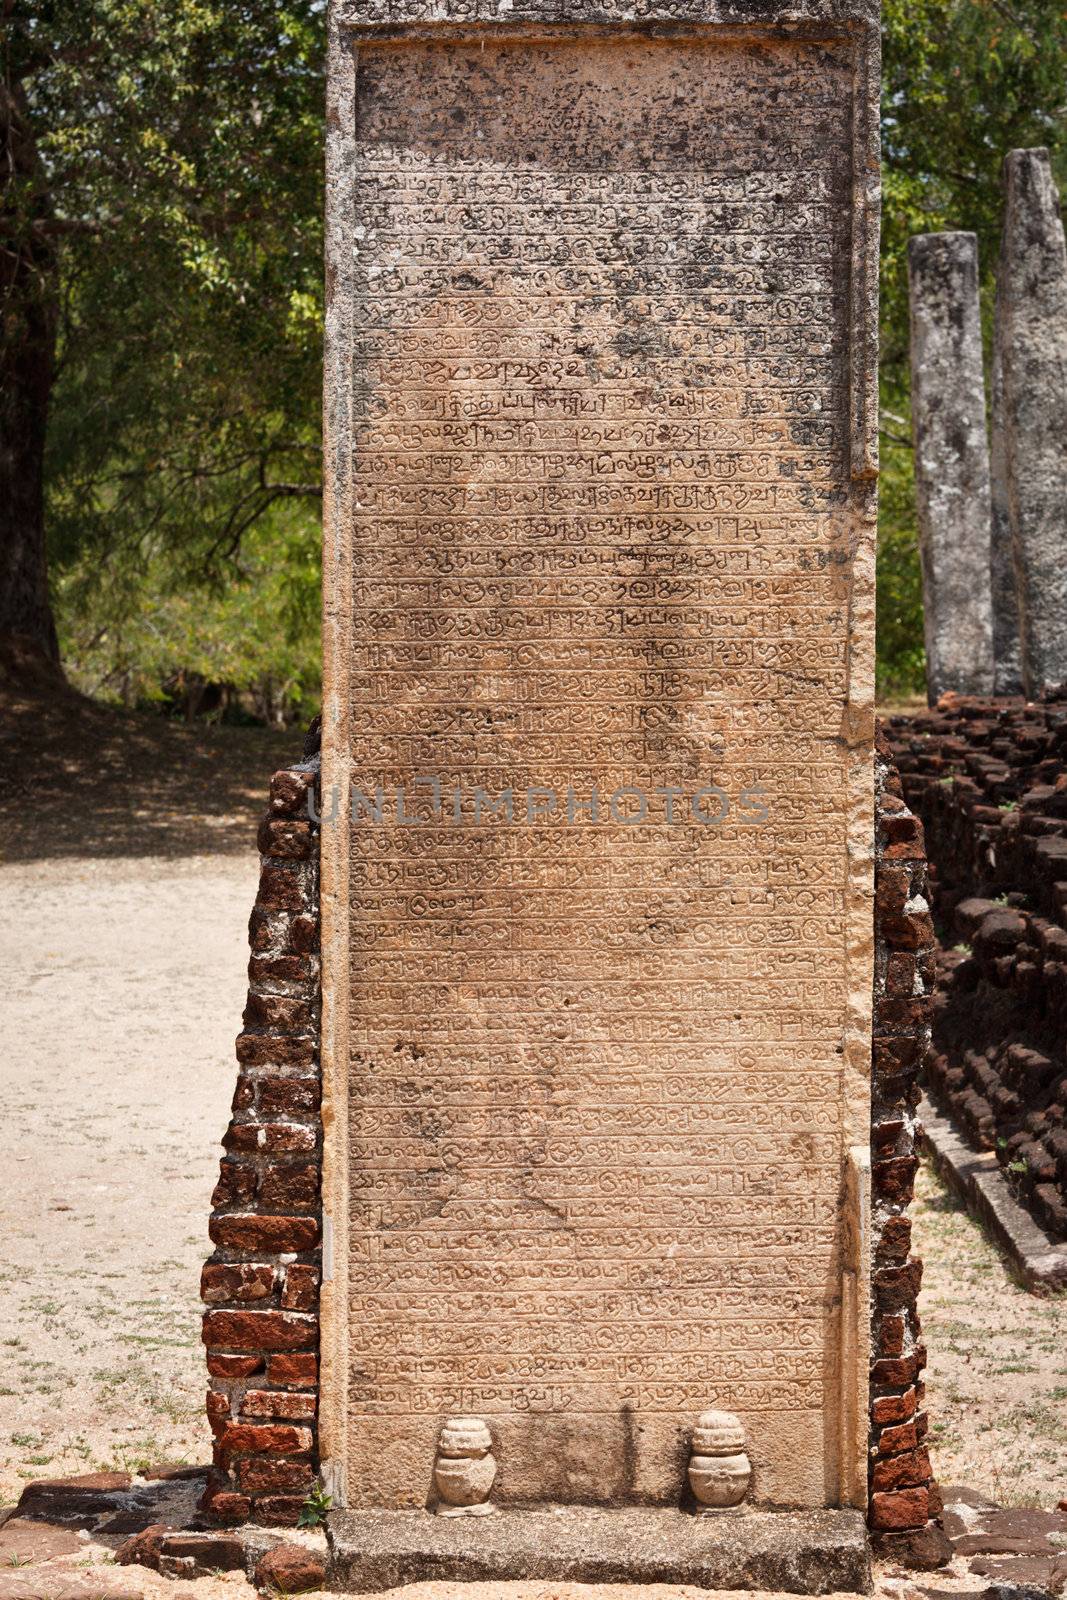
[896,1288]
[281,888]
[282,1012]
[263,1438]
[236,1185]
[224,1505]
[218,1409]
[297,1370]
[233,1367]
[907,1508]
[260,1330]
[244,1095]
[296,1184]
[892,1440]
[289,1097]
[895,1239]
[259,1475]
[289,792]
[278,1403]
[267,969]
[891,1336]
[901,1472]
[271,1235]
[894,1372]
[241,1281]
[266,1050]
[278,1511]
[900,974]
[304,934]
[894,1180]
[301,1291]
[271,1138]
[286,838]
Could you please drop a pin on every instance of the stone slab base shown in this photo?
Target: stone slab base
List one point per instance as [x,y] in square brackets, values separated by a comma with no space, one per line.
[799,1552]
[977,1177]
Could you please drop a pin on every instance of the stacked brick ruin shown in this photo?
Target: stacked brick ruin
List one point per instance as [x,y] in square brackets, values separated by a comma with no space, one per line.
[904,1500]
[990,781]
[261,1284]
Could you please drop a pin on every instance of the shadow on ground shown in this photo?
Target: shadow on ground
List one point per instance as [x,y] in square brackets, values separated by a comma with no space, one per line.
[81,779]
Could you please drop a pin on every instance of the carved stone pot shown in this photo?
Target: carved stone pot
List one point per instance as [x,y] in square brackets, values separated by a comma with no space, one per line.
[465,1467]
[719,1469]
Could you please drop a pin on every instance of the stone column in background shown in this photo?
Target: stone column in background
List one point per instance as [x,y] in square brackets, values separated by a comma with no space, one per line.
[1007,657]
[951,462]
[1031,336]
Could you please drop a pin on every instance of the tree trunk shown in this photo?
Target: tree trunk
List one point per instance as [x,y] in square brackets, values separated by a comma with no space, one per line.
[28,307]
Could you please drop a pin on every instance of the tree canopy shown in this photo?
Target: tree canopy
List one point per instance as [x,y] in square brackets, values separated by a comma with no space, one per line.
[163,199]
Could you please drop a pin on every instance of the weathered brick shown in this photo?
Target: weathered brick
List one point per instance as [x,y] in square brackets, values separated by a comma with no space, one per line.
[906,1508]
[239,1281]
[260,1330]
[290,1185]
[233,1367]
[895,1288]
[281,1012]
[277,1138]
[909,1470]
[289,792]
[268,1050]
[267,1235]
[277,1510]
[893,1440]
[278,1403]
[301,1289]
[289,1097]
[263,1438]
[285,838]
[236,1185]
[894,1179]
[281,888]
[303,935]
[299,1370]
[262,1475]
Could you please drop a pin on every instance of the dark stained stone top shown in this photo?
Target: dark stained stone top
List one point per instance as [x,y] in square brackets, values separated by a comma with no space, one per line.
[387,14]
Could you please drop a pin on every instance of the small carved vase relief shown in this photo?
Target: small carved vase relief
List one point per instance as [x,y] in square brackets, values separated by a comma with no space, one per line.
[465,1467]
[719,1469]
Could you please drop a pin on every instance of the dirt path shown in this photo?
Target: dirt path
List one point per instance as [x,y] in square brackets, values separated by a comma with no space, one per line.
[997,1379]
[124,982]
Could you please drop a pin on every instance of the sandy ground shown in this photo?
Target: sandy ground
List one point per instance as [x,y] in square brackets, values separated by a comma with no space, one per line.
[997,1378]
[123,984]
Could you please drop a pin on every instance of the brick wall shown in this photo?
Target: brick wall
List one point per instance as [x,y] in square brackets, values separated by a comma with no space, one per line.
[903,1496]
[990,780]
[261,1283]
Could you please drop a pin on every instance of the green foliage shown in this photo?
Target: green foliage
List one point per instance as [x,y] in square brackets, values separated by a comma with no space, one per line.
[139,636]
[964,81]
[182,146]
[181,142]
[313,1511]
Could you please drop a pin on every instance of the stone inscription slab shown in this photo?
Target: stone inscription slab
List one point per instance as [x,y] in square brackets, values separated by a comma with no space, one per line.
[598,664]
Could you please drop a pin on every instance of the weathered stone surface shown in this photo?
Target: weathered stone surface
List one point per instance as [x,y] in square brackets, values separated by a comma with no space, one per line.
[808,1552]
[951,462]
[599,511]
[1031,335]
[1007,652]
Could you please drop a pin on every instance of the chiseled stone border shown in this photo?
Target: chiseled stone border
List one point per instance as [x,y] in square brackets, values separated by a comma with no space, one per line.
[262,1282]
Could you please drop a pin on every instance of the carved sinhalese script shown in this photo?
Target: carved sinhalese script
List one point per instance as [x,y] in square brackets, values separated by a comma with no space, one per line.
[601,549]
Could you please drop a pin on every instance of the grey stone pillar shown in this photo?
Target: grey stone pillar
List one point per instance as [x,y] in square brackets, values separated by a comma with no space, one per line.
[1031,340]
[951,462]
[1007,656]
